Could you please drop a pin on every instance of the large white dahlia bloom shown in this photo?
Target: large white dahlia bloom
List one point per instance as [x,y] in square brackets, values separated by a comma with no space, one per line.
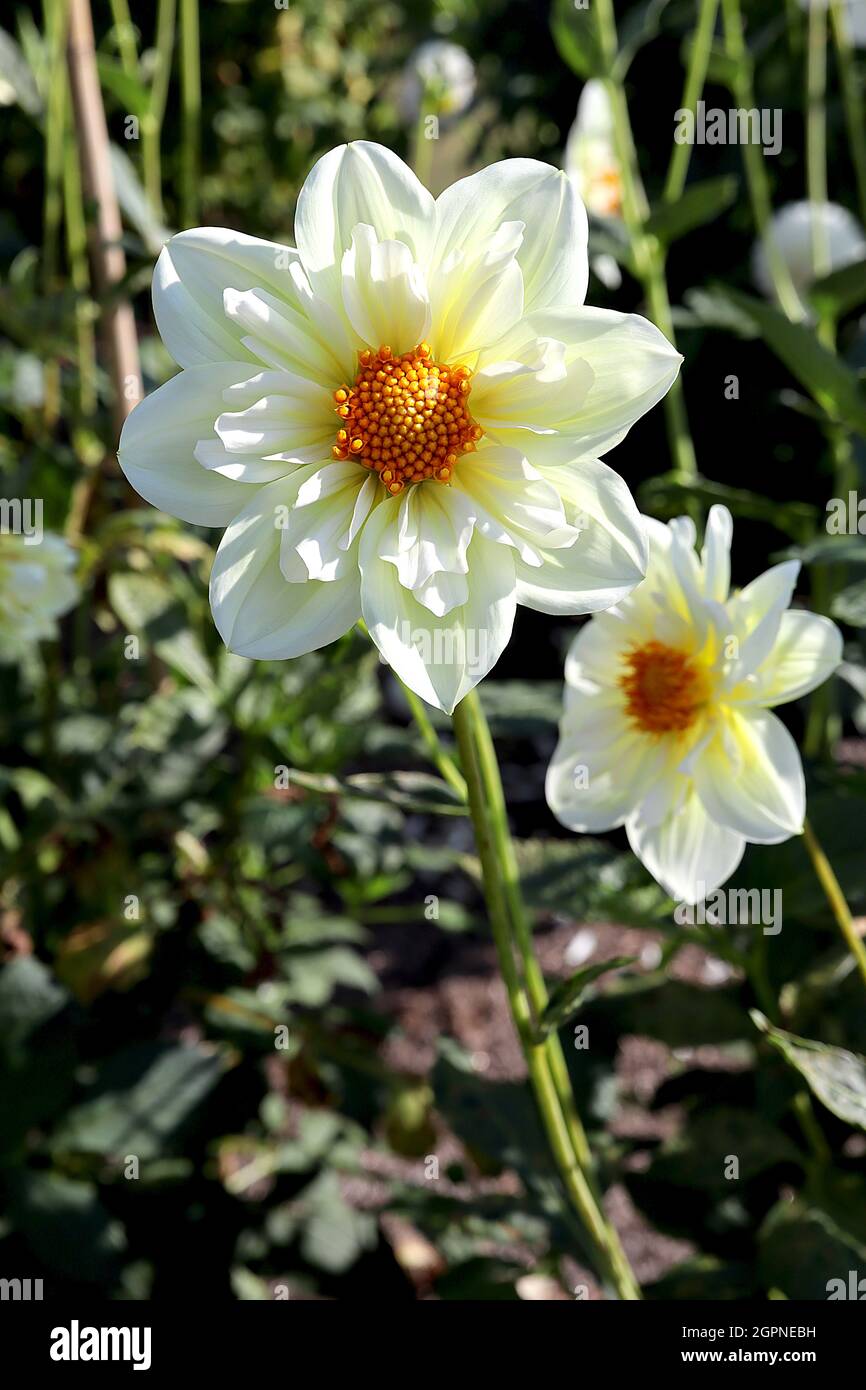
[402,418]
[667,727]
[36,587]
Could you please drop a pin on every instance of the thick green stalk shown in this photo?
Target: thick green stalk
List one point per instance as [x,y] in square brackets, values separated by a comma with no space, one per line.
[816,132]
[852,100]
[753,159]
[151,121]
[498,866]
[433,745]
[835,897]
[649,256]
[696,76]
[125,32]
[190,100]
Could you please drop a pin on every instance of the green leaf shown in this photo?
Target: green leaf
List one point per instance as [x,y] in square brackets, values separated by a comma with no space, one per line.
[840,292]
[829,380]
[849,606]
[699,204]
[410,791]
[836,1077]
[829,550]
[66,1225]
[142,1099]
[575,33]
[667,496]
[147,606]
[132,94]
[569,994]
[802,1251]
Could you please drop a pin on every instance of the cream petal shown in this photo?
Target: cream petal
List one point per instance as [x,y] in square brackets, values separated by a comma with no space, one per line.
[258,613]
[428,532]
[633,366]
[601,769]
[749,777]
[359,182]
[534,407]
[319,525]
[756,616]
[476,295]
[610,555]
[552,257]
[716,553]
[512,503]
[807,650]
[157,450]
[319,348]
[440,658]
[191,274]
[384,292]
[687,852]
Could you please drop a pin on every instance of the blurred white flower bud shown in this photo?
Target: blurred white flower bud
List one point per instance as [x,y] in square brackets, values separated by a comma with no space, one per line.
[590,155]
[801,230]
[441,74]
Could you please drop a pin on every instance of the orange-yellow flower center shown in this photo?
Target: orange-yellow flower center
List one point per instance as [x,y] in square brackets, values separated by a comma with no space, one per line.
[665,692]
[406,418]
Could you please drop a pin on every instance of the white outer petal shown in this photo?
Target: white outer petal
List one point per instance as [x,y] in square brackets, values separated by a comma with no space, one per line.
[258,613]
[750,778]
[440,658]
[609,556]
[159,439]
[359,182]
[807,650]
[687,852]
[193,270]
[553,256]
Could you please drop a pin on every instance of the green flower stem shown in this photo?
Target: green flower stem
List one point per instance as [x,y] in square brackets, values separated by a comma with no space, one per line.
[125,32]
[852,100]
[499,871]
[151,121]
[190,100]
[835,897]
[648,252]
[422,146]
[816,131]
[433,745]
[753,159]
[696,76]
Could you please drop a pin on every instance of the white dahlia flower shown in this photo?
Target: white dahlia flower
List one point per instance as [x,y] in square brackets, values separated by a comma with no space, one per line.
[800,230]
[401,419]
[667,727]
[441,73]
[36,588]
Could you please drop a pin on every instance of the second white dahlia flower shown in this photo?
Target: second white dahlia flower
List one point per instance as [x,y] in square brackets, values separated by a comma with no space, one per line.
[667,727]
[400,419]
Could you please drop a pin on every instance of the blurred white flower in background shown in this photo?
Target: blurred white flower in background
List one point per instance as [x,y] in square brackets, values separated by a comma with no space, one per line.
[592,165]
[439,74]
[801,229]
[853,17]
[402,419]
[36,587]
[667,727]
